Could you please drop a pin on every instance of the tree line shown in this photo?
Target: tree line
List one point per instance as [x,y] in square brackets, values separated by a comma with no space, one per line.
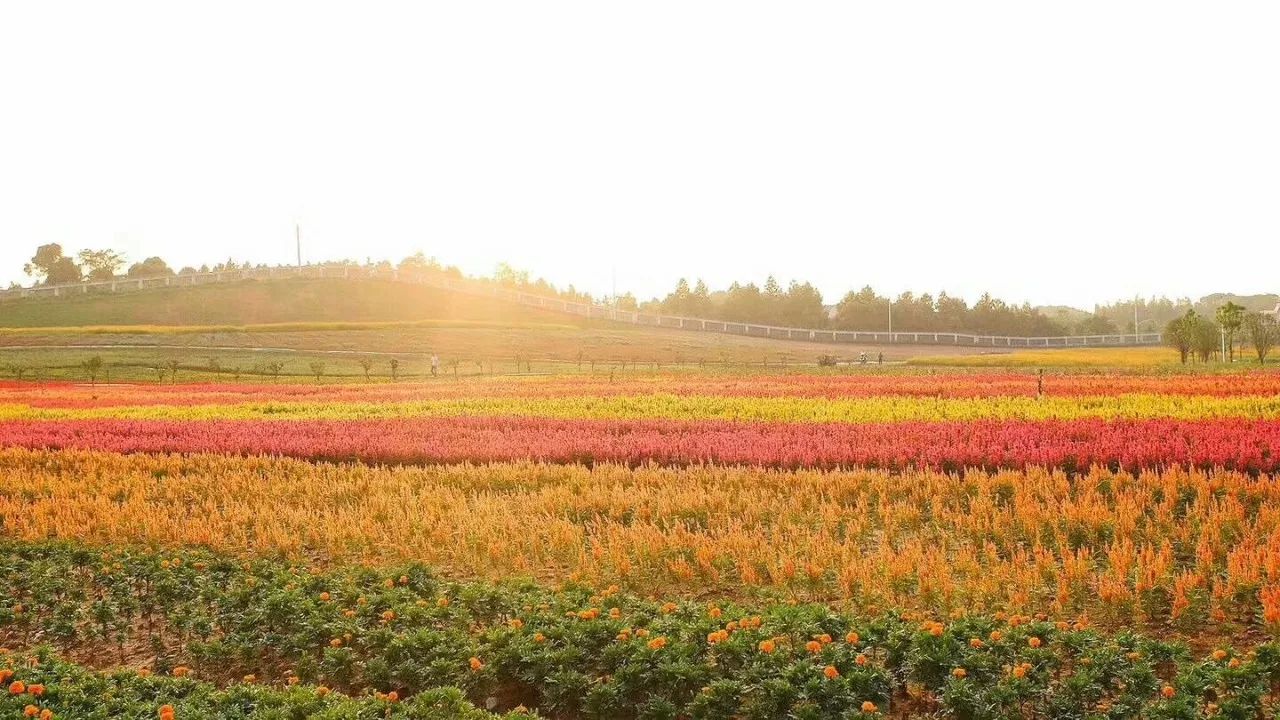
[1198,338]
[801,305]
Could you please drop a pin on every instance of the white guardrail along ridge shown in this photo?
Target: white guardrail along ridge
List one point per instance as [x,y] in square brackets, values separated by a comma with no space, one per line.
[588,310]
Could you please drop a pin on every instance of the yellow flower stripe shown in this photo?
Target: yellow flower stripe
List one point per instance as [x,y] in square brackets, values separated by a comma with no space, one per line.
[776,409]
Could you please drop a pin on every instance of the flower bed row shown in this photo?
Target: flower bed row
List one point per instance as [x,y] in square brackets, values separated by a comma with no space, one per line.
[568,653]
[1248,445]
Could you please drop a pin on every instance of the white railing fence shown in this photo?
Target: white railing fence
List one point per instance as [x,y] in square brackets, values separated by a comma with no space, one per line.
[587,310]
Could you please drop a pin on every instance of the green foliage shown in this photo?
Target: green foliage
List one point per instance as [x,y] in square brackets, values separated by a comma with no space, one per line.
[572,652]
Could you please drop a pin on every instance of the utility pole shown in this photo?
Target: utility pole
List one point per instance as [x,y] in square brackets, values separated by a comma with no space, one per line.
[1135,317]
[890,319]
[297,236]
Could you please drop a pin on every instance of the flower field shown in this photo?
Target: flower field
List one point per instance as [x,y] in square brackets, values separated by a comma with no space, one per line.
[965,544]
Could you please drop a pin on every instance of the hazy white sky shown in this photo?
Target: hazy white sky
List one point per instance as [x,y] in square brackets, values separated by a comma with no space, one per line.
[1052,152]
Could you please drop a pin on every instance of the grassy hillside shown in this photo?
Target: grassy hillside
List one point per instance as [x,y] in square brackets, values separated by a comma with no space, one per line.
[255,302]
[241,329]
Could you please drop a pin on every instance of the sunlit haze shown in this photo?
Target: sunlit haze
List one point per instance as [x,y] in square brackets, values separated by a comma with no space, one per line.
[1056,153]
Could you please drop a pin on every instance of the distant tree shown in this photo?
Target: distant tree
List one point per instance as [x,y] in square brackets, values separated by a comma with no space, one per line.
[1263,333]
[1096,325]
[862,310]
[626,302]
[1179,334]
[504,274]
[274,369]
[92,367]
[802,307]
[51,267]
[317,369]
[418,262]
[1200,335]
[395,368]
[1230,317]
[151,267]
[100,264]
[173,370]
[367,365]
[19,370]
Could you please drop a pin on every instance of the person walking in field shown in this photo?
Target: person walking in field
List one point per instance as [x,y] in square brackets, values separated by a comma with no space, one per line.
[435,364]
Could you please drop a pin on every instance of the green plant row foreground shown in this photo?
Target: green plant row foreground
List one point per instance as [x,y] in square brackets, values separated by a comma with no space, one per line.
[44,686]
[188,616]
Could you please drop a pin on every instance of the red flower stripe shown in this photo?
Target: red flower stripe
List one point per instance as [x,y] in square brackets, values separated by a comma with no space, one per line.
[1252,445]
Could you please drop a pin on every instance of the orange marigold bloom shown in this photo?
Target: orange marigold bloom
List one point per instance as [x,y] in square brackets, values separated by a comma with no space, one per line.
[852,638]
[516,623]
[824,638]
[976,644]
[388,616]
[1167,691]
[539,637]
[181,671]
[1235,663]
[657,643]
[813,646]
[166,712]
[869,707]
[1219,655]
[30,711]
[324,597]
[767,646]
[442,602]
[336,642]
[830,672]
[1034,642]
[714,613]
[17,688]
[861,659]
[36,689]
[46,714]
[393,696]
[292,680]
[995,636]
[1019,671]
[322,691]
[404,579]
[476,665]
[5,674]
[959,673]
[668,608]
[250,679]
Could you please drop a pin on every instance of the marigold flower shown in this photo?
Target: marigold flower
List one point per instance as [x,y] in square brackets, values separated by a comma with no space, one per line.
[861,659]
[181,671]
[830,672]
[767,646]
[852,638]
[36,689]
[250,679]
[539,637]
[393,696]
[657,643]
[17,687]
[30,711]
[714,613]
[668,608]
[324,597]
[976,644]
[442,602]
[959,673]
[995,636]
[322,691]
[476,665]
[813,646]
[1235,663]
[1219,655]
[869,707]
[1034,642]
[1167,691]
[46,714]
